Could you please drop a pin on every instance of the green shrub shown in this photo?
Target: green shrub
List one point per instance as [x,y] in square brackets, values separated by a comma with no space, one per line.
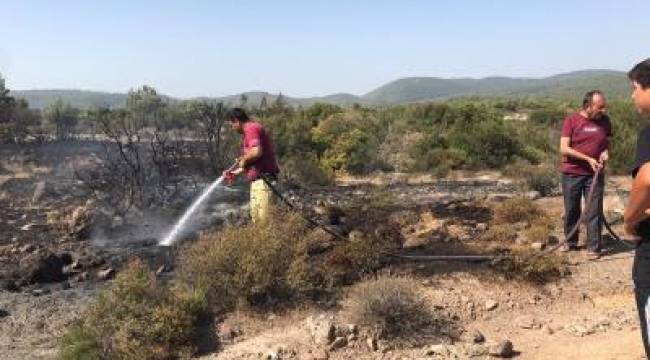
[304,170]
[391,306]
[529,265]
[79,343]
[137,318]
[251,263]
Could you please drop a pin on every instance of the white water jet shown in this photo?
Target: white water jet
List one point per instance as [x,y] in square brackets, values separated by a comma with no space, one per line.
[171,237]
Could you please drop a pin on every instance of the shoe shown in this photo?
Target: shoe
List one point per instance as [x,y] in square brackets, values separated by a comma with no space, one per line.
[567,247]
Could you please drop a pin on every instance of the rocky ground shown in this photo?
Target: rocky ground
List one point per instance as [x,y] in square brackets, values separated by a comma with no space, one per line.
[49,272]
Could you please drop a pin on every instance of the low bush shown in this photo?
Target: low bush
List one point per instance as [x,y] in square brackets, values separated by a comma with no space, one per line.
[138,318]
[499,233]
[517,209]
[304,170]
[393,307]
[250,264]
[529,265]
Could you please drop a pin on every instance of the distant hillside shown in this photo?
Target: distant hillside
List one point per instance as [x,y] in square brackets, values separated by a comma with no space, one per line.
[77,98]
[569,86]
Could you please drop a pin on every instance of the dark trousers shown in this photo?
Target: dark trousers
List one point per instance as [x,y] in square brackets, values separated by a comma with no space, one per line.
[574,189]
[643,307]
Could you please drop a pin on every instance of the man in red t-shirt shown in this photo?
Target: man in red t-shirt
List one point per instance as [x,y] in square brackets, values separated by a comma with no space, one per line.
[257,160]
[584,145]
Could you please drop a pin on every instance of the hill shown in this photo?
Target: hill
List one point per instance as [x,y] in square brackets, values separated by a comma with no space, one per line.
[569,86]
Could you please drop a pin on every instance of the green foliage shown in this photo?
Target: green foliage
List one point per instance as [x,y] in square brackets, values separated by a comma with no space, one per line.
[250,263]
[138,318]
[79,343]
[528,265]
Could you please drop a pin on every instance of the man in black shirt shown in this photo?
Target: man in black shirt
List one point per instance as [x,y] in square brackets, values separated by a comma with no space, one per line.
[637,212]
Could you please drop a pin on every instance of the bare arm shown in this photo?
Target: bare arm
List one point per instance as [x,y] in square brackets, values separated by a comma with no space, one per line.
[250,156]
[566,150]
[639,201]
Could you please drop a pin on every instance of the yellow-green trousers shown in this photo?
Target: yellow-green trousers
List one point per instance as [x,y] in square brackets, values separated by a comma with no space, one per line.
[262,200]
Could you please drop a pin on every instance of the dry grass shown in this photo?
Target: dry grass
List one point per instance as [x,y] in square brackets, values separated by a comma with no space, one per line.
[502,233]
[138,318]
[518,209]
[252,263]
[393,307]
[530,266]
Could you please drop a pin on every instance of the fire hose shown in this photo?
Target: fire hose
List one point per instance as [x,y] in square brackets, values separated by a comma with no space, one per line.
[467,258]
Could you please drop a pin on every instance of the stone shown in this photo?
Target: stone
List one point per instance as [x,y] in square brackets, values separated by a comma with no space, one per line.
[105,274]
[3,313]
[27,248]
[502,349]
[437,350]
[315,354]
[478,337]
[321,330]
[372,343]
[491,305]
[9,285]
[526,322]
[539,246]
[338,343]
[39,292]
[548,330]
[481,227]
[356,236]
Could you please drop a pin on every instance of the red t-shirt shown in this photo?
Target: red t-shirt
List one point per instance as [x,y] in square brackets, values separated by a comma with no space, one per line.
[255,135]
[590,137]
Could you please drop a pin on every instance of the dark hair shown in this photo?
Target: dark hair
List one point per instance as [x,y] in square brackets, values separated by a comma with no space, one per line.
[640,74]
[238,114]
[589,98]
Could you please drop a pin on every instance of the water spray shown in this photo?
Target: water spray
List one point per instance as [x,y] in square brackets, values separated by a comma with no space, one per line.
[180,224]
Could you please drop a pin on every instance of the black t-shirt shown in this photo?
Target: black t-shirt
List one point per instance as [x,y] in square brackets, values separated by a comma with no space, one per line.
[642,157]
[641,268]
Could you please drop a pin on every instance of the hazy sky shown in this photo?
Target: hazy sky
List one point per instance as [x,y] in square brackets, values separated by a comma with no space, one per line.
[305,48]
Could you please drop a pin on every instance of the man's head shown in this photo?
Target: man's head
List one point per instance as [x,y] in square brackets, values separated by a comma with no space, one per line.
[640,78]
[594,104]
[237,117]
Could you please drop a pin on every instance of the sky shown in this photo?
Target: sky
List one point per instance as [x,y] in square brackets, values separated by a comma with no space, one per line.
[308,48]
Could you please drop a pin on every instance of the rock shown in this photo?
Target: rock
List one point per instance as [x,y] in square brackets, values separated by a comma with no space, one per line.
[356,236]
[39,292]
[27,248]
[481,227]
[338,343]
[321,330]
[579,330]
[503,349]
[3,313]
[315,354]
[491,305]
[526,322]
[533,195]
[105,274]
[539,246]
[548,330]
[41,268]
[478,337]
[439,350]
[476,351]
[27,227]
[65,285]
[372,343]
